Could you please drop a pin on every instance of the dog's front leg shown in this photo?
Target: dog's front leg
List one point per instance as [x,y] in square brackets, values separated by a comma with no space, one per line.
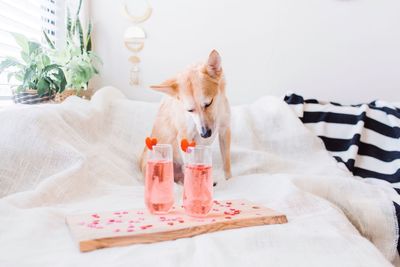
[224,139]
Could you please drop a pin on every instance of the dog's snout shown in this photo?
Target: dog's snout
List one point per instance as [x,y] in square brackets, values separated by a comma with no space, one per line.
[205,132]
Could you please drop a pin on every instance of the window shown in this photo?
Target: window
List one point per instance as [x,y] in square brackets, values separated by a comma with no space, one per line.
[30,18]
[53,20]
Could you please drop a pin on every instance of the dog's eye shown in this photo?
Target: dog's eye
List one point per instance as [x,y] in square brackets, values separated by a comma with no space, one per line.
[190,110]
[209,104]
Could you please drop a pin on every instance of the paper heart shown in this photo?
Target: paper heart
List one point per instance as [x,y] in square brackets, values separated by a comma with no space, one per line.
[185,144]
[150,142]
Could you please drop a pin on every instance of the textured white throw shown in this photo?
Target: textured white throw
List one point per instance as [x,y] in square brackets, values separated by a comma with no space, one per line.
[83,156]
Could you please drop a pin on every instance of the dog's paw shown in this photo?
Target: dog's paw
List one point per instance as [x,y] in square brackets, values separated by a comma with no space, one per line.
[228,176]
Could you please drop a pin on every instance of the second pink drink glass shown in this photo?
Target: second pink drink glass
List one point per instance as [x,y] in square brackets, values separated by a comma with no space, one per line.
[159,183]
[198,183]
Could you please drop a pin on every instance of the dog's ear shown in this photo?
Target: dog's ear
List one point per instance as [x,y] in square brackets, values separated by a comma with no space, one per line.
[213,67]
[169,87]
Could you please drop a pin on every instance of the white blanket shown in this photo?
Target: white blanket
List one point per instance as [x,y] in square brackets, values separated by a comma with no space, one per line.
[83,156]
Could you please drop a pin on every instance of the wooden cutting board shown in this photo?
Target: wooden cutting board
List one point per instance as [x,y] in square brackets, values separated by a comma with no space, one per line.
[119,228]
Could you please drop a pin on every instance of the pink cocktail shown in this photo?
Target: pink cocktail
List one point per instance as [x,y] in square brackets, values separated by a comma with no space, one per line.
[198,182]
[159,183]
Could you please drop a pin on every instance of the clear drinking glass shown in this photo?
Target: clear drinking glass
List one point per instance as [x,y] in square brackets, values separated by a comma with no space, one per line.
[159,181]
[198,182]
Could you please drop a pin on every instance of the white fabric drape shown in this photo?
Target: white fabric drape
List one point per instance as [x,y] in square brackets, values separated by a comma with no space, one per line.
[83,156]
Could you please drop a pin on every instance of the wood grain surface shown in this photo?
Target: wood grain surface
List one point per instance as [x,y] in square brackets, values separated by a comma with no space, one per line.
[119,228]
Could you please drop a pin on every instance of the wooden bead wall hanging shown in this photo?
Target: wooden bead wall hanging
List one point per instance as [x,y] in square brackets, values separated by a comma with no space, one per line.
[134,38]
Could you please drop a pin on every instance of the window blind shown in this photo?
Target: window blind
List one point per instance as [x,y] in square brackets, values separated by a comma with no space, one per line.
[53,20]
[30,18]
[23,17]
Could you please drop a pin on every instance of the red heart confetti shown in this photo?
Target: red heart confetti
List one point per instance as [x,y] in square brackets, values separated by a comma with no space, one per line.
[144,227]
[150,142]
[121,222]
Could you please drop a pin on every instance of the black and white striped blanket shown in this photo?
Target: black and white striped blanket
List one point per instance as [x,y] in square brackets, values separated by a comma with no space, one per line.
[363,138]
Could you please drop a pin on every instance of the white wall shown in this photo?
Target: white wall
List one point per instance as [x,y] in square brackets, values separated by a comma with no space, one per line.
[342,50]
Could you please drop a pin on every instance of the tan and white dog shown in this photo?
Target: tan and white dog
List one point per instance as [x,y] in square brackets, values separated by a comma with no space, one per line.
[196,108]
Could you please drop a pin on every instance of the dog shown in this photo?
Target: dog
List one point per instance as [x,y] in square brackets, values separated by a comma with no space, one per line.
[195,108]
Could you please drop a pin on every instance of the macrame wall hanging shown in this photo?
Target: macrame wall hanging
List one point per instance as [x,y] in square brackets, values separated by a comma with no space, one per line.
[135,36]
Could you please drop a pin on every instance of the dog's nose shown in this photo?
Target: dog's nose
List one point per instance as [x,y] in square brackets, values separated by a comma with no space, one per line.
[205,132]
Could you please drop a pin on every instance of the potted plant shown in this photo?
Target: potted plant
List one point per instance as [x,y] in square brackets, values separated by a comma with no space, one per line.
[37,78]
[77,58]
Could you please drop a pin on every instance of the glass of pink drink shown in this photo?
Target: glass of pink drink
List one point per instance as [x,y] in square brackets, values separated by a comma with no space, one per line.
[159,181]
[198,182]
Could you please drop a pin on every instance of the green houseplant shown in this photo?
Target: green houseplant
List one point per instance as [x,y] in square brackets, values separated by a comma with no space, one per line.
[36,77]
[77,58]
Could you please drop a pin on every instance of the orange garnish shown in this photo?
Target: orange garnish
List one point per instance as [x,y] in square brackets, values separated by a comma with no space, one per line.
[154,141]
[150,142]
[185,144]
